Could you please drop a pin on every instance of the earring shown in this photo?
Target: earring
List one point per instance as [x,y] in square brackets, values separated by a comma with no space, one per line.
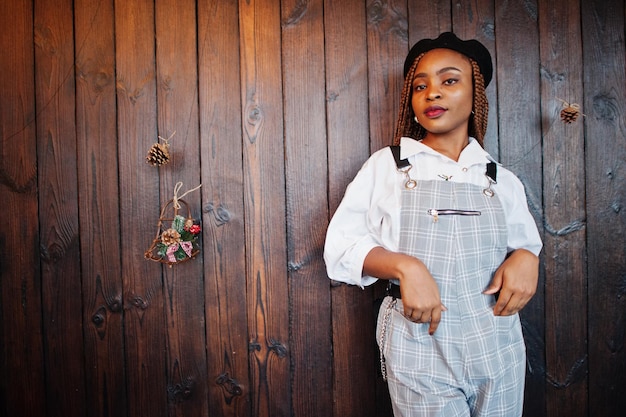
[416,121]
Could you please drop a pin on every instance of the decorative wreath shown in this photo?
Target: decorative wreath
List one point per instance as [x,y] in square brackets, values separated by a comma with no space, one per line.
[176,240]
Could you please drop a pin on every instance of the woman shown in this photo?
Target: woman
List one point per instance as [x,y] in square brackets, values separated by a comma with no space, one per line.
[450,230]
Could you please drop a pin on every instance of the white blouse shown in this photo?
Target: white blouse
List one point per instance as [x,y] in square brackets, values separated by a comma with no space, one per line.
[369,214]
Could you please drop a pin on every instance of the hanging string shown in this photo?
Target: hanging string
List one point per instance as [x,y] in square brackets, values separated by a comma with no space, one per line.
[177,188]
[167,141]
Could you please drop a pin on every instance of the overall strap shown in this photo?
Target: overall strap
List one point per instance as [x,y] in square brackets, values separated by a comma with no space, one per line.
[492,170]
[492,167]
[400,163]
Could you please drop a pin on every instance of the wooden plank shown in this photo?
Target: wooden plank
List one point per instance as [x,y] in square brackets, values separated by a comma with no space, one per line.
[428,20]
[475,20]
[96,129]
[604,105]
[264,167]
[354,356]
[517,51]
[346,96]
[387,47]
[144,323]
[223,209]
[307,207]
[22,390]
[178,112]
[564,205]
[58,207]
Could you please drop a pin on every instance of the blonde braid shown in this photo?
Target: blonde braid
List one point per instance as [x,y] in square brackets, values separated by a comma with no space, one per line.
[478,123]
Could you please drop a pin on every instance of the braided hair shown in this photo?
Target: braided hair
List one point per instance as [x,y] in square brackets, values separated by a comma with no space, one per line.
[407,126]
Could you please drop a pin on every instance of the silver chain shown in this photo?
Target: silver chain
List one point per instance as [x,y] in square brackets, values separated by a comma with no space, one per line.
[383,337]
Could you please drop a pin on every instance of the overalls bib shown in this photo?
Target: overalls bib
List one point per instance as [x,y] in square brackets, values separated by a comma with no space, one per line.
[474,364]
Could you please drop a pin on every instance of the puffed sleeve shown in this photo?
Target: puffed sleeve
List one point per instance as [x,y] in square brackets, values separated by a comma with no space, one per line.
[361,221]
[522,229]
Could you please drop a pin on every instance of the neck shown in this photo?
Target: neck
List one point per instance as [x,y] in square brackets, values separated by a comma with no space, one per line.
[448,145]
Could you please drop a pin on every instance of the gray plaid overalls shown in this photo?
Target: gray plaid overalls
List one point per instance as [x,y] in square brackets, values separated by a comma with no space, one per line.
[474,364]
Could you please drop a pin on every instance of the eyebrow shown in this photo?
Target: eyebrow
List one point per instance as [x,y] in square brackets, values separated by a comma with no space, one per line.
[439,72]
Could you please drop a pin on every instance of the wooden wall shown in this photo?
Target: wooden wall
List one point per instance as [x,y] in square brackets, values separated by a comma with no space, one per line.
[275,105]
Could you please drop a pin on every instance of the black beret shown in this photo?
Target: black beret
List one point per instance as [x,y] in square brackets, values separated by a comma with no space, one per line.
[448,40]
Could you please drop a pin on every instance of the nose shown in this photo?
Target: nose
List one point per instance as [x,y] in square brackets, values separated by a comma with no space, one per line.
[433,94]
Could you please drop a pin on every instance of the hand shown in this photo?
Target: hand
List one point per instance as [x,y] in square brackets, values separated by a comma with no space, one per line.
[516,279]
[420,294]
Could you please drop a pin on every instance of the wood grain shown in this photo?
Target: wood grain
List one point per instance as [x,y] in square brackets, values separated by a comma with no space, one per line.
[144,299]
[223,208]
[387,46]
[264,201]
[97,147]
[276,105]
[564,205]
[604,106]
[307,207]
[518,94]
[58,209]
[22,365]
[354,349]
[177,97]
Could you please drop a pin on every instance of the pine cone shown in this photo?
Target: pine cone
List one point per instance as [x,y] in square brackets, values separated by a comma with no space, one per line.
[169,237]
[159,154]
[570,113]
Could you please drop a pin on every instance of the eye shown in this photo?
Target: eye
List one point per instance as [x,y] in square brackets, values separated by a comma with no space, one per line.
[450,81]
[419,87]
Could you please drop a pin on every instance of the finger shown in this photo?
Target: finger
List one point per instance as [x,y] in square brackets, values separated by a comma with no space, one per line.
[434,322]
[501,304]
[495,285]
[515,304]
[418,318]
[511,305]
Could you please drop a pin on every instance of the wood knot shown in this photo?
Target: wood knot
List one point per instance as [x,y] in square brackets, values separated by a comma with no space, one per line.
[99,317]
[278,348]
[297,13]
[605,107]
[101,80]
[140,303]
[389,20]
[181,391]
[116,305]
[230,387]
[375,12]
[551,76]
[254,114]
[254,121]
[166,83]
[254,345]
[52,253]
[220,213]
[489,29]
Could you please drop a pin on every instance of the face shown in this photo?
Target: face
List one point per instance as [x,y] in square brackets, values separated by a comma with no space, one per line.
[443,92]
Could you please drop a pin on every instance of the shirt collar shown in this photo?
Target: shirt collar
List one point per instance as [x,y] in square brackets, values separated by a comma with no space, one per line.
[471,155]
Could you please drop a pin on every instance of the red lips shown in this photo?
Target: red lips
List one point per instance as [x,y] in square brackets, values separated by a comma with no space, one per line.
[434,111]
